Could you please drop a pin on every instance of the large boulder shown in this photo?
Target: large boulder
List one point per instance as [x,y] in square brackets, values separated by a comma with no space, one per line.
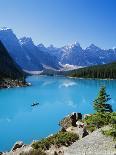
[82,132]
[70,120]
[17,145]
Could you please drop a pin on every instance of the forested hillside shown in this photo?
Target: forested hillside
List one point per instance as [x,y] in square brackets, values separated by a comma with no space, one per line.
[99,71]
[8,68]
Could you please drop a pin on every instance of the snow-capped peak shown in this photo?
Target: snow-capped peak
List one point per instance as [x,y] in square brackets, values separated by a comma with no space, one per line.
[4,28]
[41,45]
[114,48]
[68,47]
[92,46]
[76,43]
[51,47]
[25,40]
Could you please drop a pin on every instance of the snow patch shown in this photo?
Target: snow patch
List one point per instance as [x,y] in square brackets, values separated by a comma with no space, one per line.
[4,28]
[69,67]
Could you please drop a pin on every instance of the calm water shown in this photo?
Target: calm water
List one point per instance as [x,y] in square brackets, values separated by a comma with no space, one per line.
[57,96]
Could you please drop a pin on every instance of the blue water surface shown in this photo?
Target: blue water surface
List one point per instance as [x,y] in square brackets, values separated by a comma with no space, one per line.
[58,96]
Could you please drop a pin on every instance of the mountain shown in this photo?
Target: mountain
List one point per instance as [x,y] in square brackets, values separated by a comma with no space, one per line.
[17,52]
[11,43]
[9,69]
[38,54]
[95,55]
[37,58]
[92,55]
[73,55]
[31,53]
[98,71]
[25,53]
[76,56]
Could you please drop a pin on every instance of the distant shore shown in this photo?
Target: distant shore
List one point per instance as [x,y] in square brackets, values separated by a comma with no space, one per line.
[71,77]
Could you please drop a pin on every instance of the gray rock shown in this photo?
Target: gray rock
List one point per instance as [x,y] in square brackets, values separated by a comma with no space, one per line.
[93,144]
[70,120]
[17,145]
[82,132]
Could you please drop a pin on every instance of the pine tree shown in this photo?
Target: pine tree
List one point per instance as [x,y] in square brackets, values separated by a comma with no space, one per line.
[100,103]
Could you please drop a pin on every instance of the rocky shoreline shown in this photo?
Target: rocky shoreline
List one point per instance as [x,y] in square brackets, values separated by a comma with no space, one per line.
[89,143]
[8,83]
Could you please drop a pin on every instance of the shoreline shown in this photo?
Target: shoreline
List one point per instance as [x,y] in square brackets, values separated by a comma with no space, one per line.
[72,77]
[72,125]
[8,83]
[89,78]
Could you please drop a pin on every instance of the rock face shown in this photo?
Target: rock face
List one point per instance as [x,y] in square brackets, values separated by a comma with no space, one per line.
[70,120]
[93,144]
[20,150]
[25,53]
[8,68]
[81,129]
[14,48]
[10,73]
[17,145]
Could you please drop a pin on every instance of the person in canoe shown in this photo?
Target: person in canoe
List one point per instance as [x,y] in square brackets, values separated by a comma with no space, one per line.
[35,104]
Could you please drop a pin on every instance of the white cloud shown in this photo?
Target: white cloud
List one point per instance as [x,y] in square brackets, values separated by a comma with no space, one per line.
[67,84]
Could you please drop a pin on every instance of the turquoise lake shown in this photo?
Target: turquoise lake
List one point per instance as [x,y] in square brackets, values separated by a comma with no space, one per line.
[58,96]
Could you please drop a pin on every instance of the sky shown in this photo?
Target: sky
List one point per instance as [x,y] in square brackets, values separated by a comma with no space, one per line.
[62,22]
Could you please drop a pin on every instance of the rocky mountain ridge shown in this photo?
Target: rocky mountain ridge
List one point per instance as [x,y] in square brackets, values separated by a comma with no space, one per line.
[37,58]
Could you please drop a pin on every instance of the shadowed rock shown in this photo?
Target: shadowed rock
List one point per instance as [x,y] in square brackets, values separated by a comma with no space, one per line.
[17,145]
[70,120]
